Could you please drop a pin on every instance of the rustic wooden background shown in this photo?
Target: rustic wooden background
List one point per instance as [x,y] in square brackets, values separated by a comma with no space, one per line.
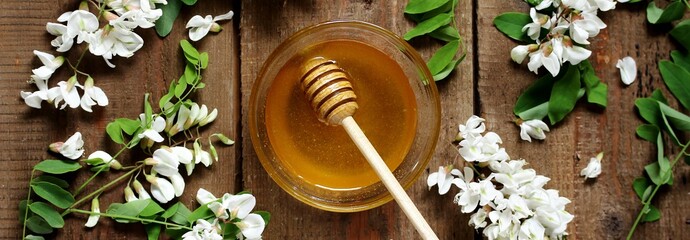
[487,84]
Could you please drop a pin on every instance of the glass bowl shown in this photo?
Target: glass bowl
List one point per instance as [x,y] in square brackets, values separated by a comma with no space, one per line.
[426,115]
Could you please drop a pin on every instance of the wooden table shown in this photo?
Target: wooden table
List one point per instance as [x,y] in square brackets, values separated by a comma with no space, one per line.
[486,84]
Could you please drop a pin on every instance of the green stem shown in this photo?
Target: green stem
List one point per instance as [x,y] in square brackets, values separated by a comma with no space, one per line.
[28,198]
[96,174]
[648,201]
[144,220]
[100,190]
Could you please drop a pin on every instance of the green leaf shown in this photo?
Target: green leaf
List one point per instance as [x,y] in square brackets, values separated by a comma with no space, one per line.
[649,110]
[564,95]
[654,172]
[448,69]
[23,207]
[57,166]
[659,96]
[189,2]
[447,33]
[52,217]
[115,132]
[677,120]
[648,132]
[200,213]
[212,149]
[180,89]
[203,60]
[38,225]
[190,53]
[153,231]
[537,112]
[170,11]
[53,194]
[443,57]
[130,126]
[511,24]
[130,209]
[151,209]
[652,215]
[51,179]
[190,74]
[181,216]
[230,229]
[224,139]
[32,237]
[148,110]
[171,210]
[595,89]
[535,95]
[422,6]
[681,59]
[673,11]
[680,33]
[428,26]
[640,185]
[664,164]
[678,81]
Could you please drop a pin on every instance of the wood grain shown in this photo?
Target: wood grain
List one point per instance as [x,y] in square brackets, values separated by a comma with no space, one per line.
[487,84]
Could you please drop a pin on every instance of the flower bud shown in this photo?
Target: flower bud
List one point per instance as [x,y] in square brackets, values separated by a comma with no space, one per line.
[109,16]
[71,82]
[215,28]
[129,194]
[93,218]
[114,164]
[210,118]
[84,5]
[55,147]
[143,194]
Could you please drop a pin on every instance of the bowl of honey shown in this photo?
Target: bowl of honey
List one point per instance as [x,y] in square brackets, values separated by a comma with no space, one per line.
[318,164]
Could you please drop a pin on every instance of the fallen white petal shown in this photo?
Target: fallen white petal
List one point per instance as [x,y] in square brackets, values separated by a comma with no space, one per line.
[628,69]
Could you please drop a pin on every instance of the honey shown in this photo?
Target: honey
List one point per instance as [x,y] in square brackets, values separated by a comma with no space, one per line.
[323,155]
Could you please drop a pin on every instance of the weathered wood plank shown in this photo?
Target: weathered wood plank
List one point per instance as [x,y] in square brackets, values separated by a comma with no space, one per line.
[27,132]
[604,208]
[265,24]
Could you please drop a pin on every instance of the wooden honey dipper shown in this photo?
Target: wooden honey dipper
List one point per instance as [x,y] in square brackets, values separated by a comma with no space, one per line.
[331,95]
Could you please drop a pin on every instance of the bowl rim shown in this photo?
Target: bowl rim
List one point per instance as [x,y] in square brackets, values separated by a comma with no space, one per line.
[263,158]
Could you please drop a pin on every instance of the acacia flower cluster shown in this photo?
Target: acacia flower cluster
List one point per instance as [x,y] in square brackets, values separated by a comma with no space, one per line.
[568,25]
[509,203]
[115,38]
[228,208]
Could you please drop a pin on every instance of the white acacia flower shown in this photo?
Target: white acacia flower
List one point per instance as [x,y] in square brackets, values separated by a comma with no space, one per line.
[62,41]
[482,148]
[204,197]
[511,174]
[200,26]
[546,57]
[603,5]
[80,24]
[531,229]
[66,91]
[144,16]
[478,219]
[34,99]
[628,69]
[182,116]
[50,64]
[520,52]
[443,178]
[92,95]
[539,21]
[202,156]
[473,127]
[73,148]
[584,25]
[505,220]
[141,191]
[568,51]
[252,226]
[532,129]
[93,218]
[152,131]
[546,3]
[554,221]
[178,183]
[240,205]
[194,112]
[114,41]
[593,168]
[161,189]
[104,158]
[164,162]
[204,230]
[481,193]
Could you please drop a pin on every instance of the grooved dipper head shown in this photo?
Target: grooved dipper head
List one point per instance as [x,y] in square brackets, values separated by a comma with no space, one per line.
[328,89]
